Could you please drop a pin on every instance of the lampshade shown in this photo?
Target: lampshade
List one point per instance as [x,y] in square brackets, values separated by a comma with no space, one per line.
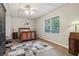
[75,23]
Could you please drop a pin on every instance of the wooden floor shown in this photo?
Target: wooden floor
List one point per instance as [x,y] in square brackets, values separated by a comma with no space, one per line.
[62,50]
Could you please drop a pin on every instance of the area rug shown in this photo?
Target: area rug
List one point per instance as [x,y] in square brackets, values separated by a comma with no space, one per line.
[29,48]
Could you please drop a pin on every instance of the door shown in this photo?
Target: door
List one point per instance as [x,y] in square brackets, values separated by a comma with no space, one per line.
[2,29]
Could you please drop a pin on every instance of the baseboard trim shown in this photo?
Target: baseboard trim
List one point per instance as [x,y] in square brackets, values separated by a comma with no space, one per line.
[66,47]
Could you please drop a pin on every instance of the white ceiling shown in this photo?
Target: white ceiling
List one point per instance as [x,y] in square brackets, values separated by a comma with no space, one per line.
[13,9]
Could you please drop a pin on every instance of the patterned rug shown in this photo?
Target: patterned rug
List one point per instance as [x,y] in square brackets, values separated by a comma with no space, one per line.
[29,48]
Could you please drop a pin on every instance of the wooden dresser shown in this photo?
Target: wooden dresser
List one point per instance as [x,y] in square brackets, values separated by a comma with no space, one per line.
[74,43]
[26,35]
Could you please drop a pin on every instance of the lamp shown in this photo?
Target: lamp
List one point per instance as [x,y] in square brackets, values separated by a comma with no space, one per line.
[75,23]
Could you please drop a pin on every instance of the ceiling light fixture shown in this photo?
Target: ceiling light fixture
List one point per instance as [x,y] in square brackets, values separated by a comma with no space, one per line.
[29,10]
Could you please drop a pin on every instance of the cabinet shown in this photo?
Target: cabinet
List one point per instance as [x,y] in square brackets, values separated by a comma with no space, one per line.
[27,35]
[2,29]
[15,35]
[74,43]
